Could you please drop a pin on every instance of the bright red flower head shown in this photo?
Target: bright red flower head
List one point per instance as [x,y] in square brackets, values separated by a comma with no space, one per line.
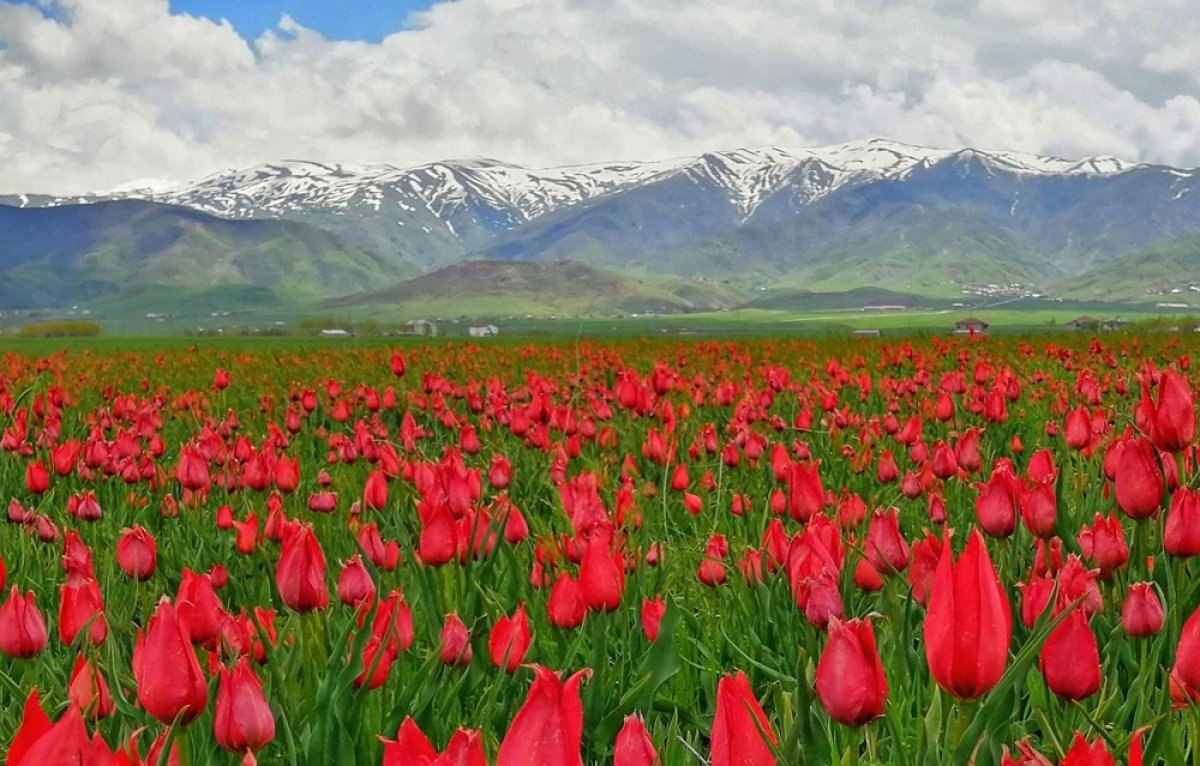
[968,623]
[548,728]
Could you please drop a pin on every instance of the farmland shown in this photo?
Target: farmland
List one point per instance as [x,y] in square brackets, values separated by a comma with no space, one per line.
[738,552]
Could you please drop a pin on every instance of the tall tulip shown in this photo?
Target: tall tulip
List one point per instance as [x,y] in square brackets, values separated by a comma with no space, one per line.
[968,623]
[1070,658]
[22,627]
[165,669]
[509,640]
[1174,425]
[740,725]
[634,746]
[243,719]
[1139,479]
[1187,652]
[1181,535]
[548,728]
[137,553]
[850,680]
[300,573]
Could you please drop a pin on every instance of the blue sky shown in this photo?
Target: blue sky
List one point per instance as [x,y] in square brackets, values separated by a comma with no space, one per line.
[335,19]
[370,20]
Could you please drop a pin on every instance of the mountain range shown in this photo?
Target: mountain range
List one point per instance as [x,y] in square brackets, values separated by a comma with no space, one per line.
[709,230]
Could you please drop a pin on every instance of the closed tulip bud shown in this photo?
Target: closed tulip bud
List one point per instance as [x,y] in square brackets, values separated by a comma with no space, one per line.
[375,493]
[37,478]
[652,614]
[89,691]
[1078,429]
[1070,658]
[741,733]
[500,472]
[1187,652]
[1174,424]
[81,605]
[850,680]
[137,553]
[601,573]
[1139,479]
[1035,598]
[886,548]
[1181,536]
[1142,613]
[65,742]
[1104,542]
[1039,509]
[192,471]
[805,494]
[456,642]
[199,606]
[165,669]
[355,586]
[286,474]
[634,746]
[549,726]
[242,719]
[509,640]
[566,606]
[968,623]
[997,503]
[300,573]
[22,627]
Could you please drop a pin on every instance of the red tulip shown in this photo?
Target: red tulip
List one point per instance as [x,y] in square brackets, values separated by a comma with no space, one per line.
[137,553]
[65,742]
[1070,658]
[850,680]
[566,606]
[355,586]
[1104,542]
[806,496]
[199,607]
[1181,536]
[192,471]
[89,691]
[739,726]
[601,573]
[456,642]
[168,677]
[375,493]
[300,573]
[652,614]
[242,719]
[634,746]
[1078,428]
[547,729]
[1039,508]
[509,640]
[1139,479]
[997,503]
[1142,613]
[968,624]
[1174,423]
[22,628]
[1187,652]
[886,549]
[37,478]
[1083,754]
[80,605]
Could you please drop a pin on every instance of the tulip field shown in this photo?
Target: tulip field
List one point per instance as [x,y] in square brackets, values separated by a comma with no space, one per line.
[628,552]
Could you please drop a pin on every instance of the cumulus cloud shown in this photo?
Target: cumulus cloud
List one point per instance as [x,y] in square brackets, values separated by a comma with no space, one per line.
[103,94]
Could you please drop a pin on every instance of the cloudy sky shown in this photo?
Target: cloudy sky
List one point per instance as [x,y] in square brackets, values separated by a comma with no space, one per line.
[96,94]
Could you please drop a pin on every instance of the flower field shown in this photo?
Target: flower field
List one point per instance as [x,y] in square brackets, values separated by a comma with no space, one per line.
[937,551]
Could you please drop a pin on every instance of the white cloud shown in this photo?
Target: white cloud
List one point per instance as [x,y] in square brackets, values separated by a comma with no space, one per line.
[122,90]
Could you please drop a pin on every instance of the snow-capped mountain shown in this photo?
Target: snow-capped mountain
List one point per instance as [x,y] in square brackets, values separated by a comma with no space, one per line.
[871,211]
[517,195]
